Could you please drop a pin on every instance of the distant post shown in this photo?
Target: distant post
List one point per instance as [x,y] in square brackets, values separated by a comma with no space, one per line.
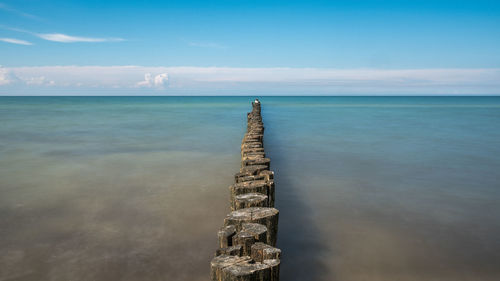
[248,238]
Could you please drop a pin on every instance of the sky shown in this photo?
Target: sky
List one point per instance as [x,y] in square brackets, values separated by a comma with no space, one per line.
[237,47]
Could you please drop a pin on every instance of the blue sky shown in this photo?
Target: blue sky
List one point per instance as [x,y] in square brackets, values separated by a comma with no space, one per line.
[428,41]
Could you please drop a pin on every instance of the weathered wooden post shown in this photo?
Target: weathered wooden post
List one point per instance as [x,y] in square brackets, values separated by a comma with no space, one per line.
[248,238]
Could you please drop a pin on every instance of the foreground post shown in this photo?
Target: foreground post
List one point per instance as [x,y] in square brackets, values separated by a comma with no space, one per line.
[248,238]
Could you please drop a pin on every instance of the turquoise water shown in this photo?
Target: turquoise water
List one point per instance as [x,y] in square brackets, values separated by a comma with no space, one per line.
[135,188]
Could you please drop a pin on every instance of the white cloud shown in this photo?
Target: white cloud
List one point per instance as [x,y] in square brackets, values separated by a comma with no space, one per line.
[202,80]
[4,79]
[64,38]
[158,81]
[7,77]
[39,81]
[15,41]
[60,37]
[147,81]
[161,79]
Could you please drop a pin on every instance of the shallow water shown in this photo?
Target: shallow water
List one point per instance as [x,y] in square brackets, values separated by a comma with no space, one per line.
[135,188]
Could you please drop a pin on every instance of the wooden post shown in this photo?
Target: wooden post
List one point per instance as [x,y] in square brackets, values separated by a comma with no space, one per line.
[262,215]
[250,200]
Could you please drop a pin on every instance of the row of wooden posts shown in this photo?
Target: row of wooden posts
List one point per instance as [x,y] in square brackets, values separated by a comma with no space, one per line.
[248,238]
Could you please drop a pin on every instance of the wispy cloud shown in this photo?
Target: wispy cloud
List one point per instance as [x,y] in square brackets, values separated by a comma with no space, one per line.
[178,80]
[211,45]
[64,38]
[9,9]
[15,41]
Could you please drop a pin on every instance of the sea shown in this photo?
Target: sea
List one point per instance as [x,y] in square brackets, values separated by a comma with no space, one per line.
[135,188]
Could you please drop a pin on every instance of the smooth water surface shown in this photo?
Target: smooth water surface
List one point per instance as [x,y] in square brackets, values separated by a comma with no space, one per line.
[135,188]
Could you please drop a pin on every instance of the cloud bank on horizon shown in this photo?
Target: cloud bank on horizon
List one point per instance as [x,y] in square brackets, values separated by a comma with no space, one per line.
[342,47]
[212,80]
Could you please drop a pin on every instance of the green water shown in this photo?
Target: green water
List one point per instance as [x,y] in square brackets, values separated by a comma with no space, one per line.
[135,188]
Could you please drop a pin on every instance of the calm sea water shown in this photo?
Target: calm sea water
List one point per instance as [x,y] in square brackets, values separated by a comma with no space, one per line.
[135,188]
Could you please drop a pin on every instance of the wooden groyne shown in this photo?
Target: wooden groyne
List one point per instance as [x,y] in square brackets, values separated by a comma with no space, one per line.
[248,238]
